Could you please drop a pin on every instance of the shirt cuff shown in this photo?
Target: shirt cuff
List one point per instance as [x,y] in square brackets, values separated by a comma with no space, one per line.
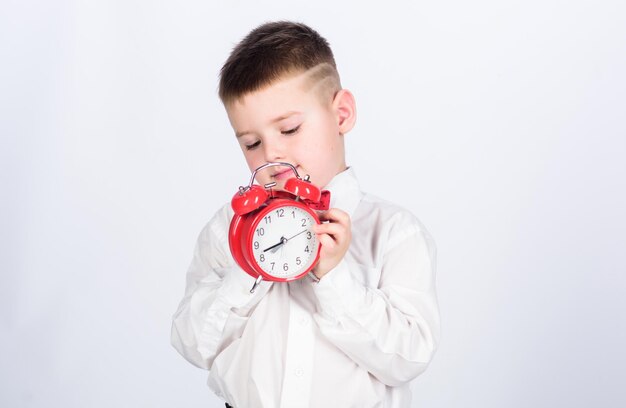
[338,292]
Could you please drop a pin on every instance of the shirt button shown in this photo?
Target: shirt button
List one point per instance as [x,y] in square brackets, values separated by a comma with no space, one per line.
[298,372]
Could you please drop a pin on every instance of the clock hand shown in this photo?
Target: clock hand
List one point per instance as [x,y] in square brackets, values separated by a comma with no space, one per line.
[304,230]
[274,247]
[283,241]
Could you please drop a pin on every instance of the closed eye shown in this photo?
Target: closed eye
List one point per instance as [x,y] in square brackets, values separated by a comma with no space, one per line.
[291,131]
[252,146]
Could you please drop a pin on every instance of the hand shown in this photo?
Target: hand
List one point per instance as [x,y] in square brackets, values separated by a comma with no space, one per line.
[335,237]
[274,247]
[283,241]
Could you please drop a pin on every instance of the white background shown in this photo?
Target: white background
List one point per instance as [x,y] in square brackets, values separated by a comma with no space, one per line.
[500,124]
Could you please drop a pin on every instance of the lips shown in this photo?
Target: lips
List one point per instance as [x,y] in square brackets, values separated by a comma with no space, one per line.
[281,175]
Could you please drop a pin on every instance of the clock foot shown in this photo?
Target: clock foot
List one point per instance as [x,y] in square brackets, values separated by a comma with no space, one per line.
[256,283]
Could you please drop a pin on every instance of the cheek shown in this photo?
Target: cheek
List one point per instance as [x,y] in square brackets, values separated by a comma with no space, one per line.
[253,155]
[253,160]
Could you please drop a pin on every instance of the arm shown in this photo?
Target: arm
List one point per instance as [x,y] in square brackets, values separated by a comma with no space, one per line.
[217,301]
[392,331]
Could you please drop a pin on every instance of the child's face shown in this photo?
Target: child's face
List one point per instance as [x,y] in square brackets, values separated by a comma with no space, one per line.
[289,122]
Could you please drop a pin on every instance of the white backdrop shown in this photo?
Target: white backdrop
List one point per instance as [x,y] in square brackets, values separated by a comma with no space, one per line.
[500,124]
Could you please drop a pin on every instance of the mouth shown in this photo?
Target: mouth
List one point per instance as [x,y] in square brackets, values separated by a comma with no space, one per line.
[283,174]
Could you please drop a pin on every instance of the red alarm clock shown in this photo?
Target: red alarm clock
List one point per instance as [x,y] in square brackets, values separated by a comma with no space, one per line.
[271,234]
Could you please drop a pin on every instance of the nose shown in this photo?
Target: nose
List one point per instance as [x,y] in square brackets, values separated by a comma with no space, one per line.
[273,151]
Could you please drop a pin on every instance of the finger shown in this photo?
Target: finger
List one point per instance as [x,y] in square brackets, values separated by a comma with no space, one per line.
[327,242]
[335,215]
[332,229]
[337,239]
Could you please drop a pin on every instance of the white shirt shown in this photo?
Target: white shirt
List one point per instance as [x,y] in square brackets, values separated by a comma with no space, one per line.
[355,339]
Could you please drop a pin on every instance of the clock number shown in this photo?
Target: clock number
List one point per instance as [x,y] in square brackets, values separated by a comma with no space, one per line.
[268,219]
[285,267]
[308,235]
[273,263]
[260,232]
[298,261]
[306,249]
[280,212]
[304,222]
[256,244]
[262,258]
[294,214]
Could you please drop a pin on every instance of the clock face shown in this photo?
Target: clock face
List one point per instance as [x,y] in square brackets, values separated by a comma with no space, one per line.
[283,242]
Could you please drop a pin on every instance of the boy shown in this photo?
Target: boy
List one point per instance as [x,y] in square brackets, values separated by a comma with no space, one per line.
[367,323]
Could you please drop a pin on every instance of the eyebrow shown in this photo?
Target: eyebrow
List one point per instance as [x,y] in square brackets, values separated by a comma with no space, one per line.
[278,119]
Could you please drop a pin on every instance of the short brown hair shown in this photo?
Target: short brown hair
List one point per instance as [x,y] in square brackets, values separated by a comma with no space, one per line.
[272,51]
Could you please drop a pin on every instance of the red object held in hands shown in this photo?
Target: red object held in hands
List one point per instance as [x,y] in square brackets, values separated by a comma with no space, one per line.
[303,189]
[245,201]
[271,234]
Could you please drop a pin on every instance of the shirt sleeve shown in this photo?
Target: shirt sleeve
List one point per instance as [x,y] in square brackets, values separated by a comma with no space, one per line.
[391,330]
[217,301]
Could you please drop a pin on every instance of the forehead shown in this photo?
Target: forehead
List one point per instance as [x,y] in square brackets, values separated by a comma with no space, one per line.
[288,94]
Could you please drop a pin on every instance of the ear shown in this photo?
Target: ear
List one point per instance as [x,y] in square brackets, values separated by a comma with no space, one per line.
[344,108]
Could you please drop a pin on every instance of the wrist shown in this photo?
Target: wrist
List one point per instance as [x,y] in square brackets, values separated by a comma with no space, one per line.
[323,268]
[318,272]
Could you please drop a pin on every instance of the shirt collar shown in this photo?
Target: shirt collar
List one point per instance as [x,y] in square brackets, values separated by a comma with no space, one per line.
[345,192]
